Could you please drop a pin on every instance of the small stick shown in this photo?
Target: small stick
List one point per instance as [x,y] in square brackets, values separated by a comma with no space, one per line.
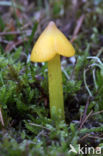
[86,119]
[95,137]
[37,125]
[1,118]
[85,136]
[85,111]
[97,113]
[78,27]
[4,41]
[13,45]
[13,32]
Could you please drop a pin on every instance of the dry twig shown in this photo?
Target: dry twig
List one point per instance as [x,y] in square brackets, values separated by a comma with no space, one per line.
[78,27]
[1,118]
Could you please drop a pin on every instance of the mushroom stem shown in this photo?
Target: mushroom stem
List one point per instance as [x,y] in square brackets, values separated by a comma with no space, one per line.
[55,88]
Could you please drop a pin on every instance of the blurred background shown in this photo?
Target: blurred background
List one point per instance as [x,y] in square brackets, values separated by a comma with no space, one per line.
[77,19]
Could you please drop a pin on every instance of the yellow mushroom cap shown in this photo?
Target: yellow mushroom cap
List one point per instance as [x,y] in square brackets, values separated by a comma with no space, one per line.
[51,42]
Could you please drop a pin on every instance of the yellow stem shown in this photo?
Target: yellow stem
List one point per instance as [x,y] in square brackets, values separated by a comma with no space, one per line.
[55,88]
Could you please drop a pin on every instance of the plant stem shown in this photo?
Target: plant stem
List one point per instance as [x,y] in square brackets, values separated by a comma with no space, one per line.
[55,88]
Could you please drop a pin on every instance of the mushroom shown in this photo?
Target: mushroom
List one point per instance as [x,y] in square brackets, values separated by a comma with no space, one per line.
[50,45]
